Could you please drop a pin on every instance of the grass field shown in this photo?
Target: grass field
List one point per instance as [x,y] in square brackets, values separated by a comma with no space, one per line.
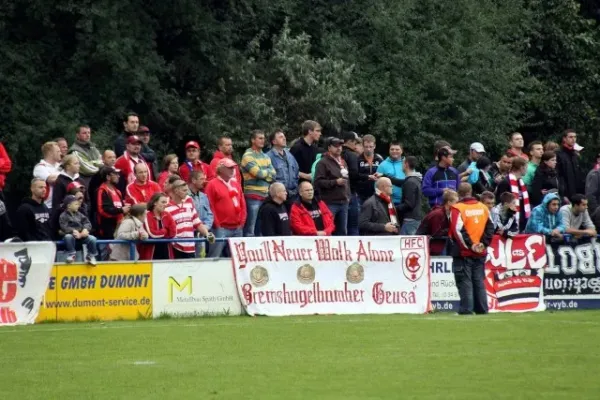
[441,356]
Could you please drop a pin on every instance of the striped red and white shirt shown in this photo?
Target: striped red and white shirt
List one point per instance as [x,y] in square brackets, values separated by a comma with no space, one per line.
[187,221]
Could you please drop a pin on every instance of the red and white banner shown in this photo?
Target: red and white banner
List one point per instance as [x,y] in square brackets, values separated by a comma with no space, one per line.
[24,275]
[332,275]
[514,273]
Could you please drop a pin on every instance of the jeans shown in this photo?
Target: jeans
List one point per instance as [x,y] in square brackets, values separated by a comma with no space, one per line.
[353,213]
[252,227]
[340,218]
[89,242]
[215,250]
[469,276]
[409,227]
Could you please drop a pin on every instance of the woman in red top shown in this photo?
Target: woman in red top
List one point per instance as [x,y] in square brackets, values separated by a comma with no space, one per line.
[159,225]
[170,167]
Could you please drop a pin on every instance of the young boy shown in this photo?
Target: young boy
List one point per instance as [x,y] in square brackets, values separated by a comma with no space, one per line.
[76,229]
[504,216]
[545,219]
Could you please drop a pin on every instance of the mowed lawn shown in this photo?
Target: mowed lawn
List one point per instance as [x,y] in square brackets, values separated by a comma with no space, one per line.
[441,356]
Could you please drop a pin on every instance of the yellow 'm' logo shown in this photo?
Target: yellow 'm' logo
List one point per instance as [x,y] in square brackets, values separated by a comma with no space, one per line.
[173,284]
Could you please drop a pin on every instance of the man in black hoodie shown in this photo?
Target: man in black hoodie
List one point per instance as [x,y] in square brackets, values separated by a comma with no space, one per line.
[350,155]
[409,209]
[273,215]
[131,123]
[32,216]
[572,181]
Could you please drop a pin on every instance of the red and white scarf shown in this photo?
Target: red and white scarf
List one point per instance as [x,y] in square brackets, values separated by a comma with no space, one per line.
[233,193]
[391,209]
[519,190]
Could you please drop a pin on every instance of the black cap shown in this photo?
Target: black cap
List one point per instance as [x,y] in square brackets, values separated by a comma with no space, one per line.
[352,136]
[333,141]
[445,152]
[105,171]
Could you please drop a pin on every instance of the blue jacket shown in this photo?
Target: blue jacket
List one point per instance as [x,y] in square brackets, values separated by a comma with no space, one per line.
[203,209]
[393,168]
[542,221]
[436,180]
[287,172]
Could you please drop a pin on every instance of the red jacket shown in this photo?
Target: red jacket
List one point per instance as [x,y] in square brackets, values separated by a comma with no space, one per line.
[5,165]
[185,170]
[302,222]
[166,230]
[137,193]
[218,156]
[125,165]
[220,198]
[436,224]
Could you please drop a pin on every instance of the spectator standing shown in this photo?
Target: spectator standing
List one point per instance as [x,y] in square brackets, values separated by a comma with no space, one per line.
[437,223]
[552,146]
[110,206]
[285,165]
[128,161]
[536,150]
[48,169]
[6,230]
[572,180]
[409,209]
[350,154]
[437,146]
[5,168]
[368,163]
[440,178]
[480,178]
[576,219]
[378,213]
[196,186]
[258,175]
[63,145]
[228,205]
[170,168]
[159,225]
[76,229]
[69,174]
[516,146]
[476,151]
[181,207]
[32,216]
[131,228]
[501,169]
[109,158]
[193,162]
[306,148]
[331,182]
[392,168]
[592,185]
[141,190]
[504,216]
[225,150]
[131,123]
[545,219]
[309,216]
[273,214]
[471,229]
[86,152]
[148,154]
[545,179]
[514,184]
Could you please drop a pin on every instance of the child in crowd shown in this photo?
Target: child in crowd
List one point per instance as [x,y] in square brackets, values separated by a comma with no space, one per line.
[504,215]
[76,229]
[131,228]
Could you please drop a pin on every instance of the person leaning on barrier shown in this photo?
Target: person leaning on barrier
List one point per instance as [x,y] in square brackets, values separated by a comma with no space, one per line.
[545,219]
[576,219]
[309,216]
[76,229]
[273,212]
[436,224]
[378,213]
[504,216]
[159,224]
[131,228]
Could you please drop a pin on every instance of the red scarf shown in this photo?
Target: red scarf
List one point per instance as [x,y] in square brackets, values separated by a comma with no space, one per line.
[233,194]
[567,145]
[518,188]
[391,209]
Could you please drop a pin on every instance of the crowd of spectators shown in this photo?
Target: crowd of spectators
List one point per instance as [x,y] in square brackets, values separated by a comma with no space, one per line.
[80,194]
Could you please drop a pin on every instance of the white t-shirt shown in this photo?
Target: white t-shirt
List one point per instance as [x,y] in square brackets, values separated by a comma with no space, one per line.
[43,170]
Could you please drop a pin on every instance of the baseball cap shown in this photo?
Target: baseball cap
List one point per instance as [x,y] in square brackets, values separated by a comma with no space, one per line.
[333,141]
[478,147]
[133,139]
[445,152]
[348,136]
[143,129]
[74,185]
[193,144]
[227,163]
[68,200]
[105,171]
[577,147]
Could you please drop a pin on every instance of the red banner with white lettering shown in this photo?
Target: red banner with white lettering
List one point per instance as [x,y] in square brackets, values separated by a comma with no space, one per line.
[24,274]
[332,275]
[514,273]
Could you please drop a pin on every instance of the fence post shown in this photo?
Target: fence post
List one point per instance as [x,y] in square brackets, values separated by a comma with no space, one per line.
[132,251]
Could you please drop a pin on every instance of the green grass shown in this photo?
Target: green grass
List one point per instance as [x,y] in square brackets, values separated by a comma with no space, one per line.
[441,356]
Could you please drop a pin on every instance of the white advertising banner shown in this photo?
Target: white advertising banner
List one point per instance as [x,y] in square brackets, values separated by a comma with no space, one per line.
[332,275]
[443,284]
[24,275]
[194,287]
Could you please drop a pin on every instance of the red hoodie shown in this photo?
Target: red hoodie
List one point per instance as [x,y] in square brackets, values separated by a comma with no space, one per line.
[5,165]
[226,214]
[218,156]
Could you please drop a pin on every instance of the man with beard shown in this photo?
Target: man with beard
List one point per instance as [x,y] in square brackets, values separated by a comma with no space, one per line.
[309,216]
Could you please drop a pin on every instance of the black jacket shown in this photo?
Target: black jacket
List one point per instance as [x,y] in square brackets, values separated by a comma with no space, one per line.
[504,186]
[374,215]
[59,192]
[592,189]
[410,207]
[543,179]
[274,219]
[32,221]
[351,159]
[572,181]
[366,187]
